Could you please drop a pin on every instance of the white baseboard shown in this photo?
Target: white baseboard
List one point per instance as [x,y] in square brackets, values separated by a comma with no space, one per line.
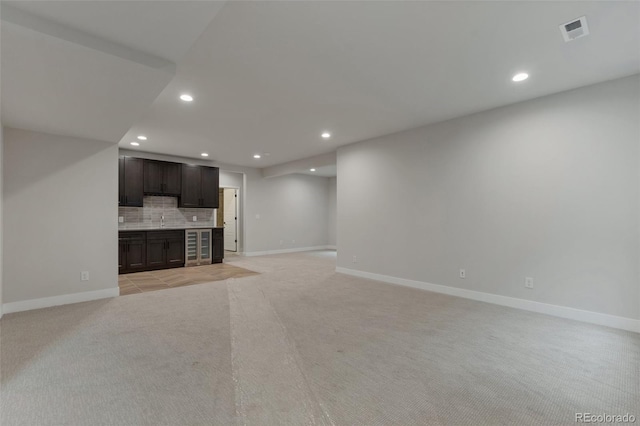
[46,302]
[291,250]
[613,321]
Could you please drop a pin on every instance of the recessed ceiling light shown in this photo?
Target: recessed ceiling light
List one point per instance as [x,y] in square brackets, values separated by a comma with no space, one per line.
[142,138]
[186,98]
[256,156]
[312,170]
[204,154]
[521,76]
[135,144]
[325,135]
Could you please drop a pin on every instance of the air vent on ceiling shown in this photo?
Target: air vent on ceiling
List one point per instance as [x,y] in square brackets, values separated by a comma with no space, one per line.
[574,29]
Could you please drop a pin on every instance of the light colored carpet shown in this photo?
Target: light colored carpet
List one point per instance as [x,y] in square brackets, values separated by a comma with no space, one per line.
[300,344]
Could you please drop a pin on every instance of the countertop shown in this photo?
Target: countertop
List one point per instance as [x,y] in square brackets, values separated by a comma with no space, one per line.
[168,228]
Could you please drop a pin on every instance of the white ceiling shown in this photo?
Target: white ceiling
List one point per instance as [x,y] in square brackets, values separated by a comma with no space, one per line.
[166,29]
[324,171]
[76,68]
[271,76]
[98,98]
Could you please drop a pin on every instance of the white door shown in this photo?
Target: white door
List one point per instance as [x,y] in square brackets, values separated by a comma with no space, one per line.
[230,216]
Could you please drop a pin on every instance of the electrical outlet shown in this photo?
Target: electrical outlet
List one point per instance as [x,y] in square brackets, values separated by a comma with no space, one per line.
[355,259]
[195,218]
[463,273]
[120,219]
[528,282]
[84,276]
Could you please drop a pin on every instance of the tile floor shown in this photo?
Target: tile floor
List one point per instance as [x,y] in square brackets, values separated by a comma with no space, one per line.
[140,282]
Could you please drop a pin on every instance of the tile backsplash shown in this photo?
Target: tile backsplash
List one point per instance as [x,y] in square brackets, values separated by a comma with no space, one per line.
[154,208]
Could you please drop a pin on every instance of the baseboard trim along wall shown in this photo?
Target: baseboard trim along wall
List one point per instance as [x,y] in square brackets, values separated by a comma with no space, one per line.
[46,302]
[613,321]
[291,250]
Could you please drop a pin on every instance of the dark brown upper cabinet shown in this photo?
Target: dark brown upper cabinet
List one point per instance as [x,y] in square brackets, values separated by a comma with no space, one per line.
[199,186]
[130,177]
[162,178]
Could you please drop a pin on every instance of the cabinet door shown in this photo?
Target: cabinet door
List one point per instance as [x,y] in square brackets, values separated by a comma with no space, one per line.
[133,178]
[205,246]
[218,245]
[175,251]
[210,195]
[172,179]
[156,252]
[153,177]
[122,256]
[121,180]
[191,186]
[135,259]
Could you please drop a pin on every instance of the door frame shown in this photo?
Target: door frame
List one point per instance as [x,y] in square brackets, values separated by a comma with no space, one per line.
[237,216]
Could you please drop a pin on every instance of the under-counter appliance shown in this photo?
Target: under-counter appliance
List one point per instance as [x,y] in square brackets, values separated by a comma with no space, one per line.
[197,247]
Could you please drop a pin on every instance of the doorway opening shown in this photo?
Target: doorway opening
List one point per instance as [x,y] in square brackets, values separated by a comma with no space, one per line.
[227,217]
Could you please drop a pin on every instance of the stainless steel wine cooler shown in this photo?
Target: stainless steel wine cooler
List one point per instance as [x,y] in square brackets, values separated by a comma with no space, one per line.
[198,247]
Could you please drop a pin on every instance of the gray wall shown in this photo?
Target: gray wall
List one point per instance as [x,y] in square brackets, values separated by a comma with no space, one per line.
[547,188]
[332,211]
[1,208]
[291,209]
[60,215]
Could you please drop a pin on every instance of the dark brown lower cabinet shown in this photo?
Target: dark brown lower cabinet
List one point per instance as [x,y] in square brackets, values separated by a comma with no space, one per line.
[159,249]
[148,250]
[131,252]
[156,249]
[165,249]
[218,245]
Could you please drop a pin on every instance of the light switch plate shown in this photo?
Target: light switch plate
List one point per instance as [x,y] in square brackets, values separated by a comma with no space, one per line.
[120,219]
